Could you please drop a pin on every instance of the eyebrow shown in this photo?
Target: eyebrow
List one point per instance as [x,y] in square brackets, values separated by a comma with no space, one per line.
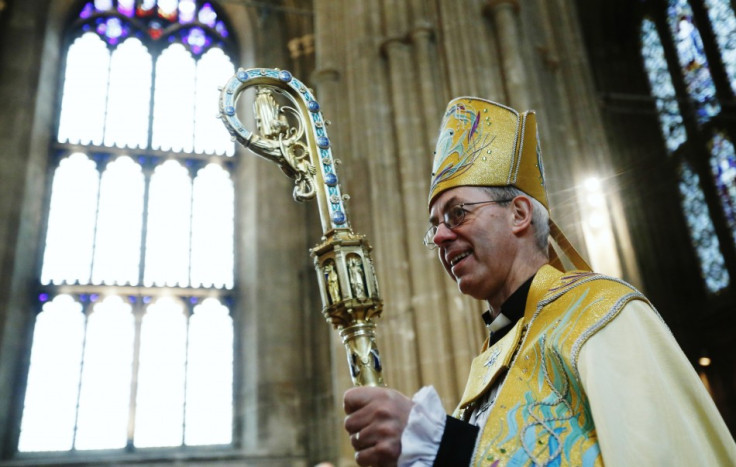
[450,202]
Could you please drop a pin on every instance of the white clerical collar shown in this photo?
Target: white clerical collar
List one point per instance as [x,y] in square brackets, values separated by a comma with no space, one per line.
[499,322]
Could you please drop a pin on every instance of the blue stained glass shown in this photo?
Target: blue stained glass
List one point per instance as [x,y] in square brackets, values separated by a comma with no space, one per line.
[221,29]
[702,232]
[670,119]
[723,167]
[724,26]
[693,63]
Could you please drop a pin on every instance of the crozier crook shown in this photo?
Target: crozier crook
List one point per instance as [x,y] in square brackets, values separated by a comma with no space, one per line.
[295,138]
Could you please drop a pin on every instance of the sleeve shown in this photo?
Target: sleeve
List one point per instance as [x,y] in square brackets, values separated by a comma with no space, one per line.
[648,404]
[431,437]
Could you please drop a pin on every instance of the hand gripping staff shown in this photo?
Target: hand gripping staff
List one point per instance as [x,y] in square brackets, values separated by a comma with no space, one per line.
[294,137]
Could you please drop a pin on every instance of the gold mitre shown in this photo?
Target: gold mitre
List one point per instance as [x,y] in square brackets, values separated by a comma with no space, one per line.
[482,143]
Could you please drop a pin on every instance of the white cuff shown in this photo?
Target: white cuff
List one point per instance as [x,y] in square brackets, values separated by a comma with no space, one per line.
[424,428]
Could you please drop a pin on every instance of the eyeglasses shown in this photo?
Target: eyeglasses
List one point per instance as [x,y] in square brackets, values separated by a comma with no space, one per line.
[453,217]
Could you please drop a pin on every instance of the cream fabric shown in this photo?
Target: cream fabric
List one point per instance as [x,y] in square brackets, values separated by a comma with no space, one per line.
[649,406]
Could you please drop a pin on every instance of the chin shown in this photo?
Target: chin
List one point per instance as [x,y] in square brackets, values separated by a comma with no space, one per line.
[467,289]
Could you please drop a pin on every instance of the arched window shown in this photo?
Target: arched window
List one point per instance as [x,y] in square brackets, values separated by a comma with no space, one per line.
[689,50]
[133,344]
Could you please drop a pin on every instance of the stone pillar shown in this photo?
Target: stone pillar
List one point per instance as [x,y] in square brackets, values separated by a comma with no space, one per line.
[504,16]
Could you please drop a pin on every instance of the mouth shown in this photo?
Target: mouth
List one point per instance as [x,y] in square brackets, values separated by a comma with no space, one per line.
[456,259]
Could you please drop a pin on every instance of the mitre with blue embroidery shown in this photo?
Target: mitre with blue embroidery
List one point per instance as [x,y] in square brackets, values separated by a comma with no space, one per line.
[482,143]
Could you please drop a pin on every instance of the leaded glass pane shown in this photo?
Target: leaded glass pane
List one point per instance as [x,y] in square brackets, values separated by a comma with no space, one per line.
[723,167]
[209,403]
[130,96]
[702,232]
[210,135]
[187,11]
[68,253]
[212,228]
[173,115]
[160,401]
[53,377]
[85,91]
[693,63]
[660,81]
[723,20]
[104,398]
[119,223]
[169,211]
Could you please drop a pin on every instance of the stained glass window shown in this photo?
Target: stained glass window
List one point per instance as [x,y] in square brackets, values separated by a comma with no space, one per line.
[723,166]
[695,69]
[140,230]
[723,21]
[690,60]
[670,119]
[702,232]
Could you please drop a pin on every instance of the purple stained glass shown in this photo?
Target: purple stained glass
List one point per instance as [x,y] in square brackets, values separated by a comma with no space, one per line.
[197,40]
[207,15]
[126,7]
[87,11]
[694,65]
[112,29]
[723,168]
[43,297]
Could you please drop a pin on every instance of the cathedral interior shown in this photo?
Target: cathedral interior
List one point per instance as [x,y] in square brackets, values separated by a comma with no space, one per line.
[159,304]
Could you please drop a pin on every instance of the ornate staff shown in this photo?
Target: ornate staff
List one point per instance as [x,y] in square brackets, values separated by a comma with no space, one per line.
[294,137]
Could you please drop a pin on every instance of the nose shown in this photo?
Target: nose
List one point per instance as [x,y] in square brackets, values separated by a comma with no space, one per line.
[443,234]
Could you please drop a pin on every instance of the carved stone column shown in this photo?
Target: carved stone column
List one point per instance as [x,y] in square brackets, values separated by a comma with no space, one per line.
[414,162]
[504,16]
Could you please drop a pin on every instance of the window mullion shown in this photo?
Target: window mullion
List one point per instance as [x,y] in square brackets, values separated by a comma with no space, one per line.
[138,312]
[147,175]
[86,311]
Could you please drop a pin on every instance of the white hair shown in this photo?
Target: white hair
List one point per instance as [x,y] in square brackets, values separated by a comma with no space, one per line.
[540,214]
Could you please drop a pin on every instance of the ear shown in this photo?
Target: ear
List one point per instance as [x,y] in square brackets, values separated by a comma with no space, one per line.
[521,209]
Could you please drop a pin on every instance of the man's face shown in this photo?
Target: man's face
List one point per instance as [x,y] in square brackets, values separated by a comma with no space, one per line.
[479,252]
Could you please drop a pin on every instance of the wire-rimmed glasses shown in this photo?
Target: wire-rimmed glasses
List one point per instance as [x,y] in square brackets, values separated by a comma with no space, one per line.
[453,217]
